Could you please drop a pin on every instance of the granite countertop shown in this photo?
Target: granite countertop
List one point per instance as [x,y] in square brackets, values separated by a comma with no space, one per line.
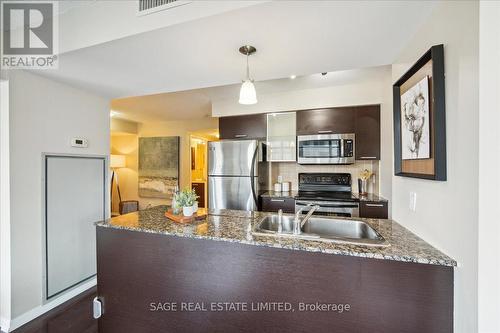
[237,226]
[369,197]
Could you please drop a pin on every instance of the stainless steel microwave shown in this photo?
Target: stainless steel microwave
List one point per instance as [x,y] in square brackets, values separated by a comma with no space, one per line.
[326,149]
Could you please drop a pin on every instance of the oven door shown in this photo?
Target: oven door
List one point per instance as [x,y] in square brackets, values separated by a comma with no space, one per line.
[325,149]
[329,208]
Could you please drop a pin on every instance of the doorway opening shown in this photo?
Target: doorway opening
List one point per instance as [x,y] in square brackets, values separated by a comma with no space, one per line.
[198,143]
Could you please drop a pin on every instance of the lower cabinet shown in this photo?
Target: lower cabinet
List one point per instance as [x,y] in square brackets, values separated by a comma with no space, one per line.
[373,209]
[270,204]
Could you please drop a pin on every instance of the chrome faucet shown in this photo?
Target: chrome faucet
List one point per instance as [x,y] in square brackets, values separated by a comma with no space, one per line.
[297,223]
[280,221]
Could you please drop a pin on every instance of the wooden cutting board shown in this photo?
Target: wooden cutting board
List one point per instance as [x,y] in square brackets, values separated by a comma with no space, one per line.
[180,218]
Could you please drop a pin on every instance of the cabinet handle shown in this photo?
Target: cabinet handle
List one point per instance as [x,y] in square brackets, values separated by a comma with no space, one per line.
[278,200]
[324,132]
[240,135]
[374,205]
[368,157]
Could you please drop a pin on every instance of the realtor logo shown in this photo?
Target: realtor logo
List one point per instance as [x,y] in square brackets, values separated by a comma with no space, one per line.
[29,34]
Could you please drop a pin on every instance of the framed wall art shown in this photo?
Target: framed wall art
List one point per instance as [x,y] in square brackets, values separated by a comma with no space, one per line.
[420,119]
[158,166]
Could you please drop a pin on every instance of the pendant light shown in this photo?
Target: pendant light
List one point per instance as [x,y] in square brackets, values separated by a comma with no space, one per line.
[248,95]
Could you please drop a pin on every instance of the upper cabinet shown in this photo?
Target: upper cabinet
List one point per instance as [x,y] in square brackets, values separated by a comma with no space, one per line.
[281,137]
[326,121]
[363,121]
[367,132]
[282,129]
[243,127]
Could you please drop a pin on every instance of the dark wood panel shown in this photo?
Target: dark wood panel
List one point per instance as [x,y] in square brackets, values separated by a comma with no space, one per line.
[73,316]
[243,127]
[330,120]
[384,296]
[199,189]
[368,132]
[374,210]
[275,204]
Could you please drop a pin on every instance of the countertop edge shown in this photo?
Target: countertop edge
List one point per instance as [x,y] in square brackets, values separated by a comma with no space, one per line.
[406,259]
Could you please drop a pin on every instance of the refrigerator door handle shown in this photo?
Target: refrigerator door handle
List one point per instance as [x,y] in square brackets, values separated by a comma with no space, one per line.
[252,176]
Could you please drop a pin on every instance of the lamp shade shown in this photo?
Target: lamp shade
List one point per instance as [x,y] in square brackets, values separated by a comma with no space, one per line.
[117,161]
[247,93]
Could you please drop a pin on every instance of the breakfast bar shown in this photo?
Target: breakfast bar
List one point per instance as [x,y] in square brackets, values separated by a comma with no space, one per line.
[217,274]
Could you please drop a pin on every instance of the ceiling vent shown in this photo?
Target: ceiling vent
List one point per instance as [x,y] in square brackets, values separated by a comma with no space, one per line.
[152,6]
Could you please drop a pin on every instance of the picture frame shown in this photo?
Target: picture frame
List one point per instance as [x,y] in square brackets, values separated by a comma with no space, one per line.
[417,127]
[159,166]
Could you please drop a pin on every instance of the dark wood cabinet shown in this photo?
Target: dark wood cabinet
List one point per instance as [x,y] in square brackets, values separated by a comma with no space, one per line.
[273,204]
[367,130]
[243,127]
[364,121]
[373,209]
[199,189]
[326,121]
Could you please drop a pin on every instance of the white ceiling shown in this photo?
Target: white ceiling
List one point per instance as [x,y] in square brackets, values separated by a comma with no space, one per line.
[292,37]
[196,103]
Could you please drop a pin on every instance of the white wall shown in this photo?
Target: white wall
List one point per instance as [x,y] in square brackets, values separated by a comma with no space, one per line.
[489,161]
[5,261]
[447,212]
[44,116]
[372,87]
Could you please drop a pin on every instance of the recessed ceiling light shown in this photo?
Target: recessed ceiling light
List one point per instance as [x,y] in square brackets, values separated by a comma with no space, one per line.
[293,76]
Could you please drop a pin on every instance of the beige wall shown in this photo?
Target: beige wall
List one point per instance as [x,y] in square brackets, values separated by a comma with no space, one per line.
[447,212]
[128,145]
[121,126]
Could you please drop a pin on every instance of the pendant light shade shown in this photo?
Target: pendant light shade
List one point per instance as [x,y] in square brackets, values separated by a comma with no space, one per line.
[248,95]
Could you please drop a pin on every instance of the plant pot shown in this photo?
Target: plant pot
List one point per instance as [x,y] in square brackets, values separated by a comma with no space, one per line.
[187,211]
[195,207]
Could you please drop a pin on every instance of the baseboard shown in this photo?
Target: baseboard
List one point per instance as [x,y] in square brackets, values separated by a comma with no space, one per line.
[4,325]
[40,310]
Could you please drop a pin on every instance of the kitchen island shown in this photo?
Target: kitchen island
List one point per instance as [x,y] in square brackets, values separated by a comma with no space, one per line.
[216,276]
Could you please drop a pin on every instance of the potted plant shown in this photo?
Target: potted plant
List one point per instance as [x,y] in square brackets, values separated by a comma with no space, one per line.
[187,200]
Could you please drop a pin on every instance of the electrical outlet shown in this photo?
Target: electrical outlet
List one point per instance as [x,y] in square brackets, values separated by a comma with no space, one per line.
[280,179]
[413,201]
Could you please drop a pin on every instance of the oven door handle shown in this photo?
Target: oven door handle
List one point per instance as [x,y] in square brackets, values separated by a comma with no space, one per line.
[326,205]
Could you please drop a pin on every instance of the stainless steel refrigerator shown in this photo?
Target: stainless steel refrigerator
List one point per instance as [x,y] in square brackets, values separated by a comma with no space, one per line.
[236,174]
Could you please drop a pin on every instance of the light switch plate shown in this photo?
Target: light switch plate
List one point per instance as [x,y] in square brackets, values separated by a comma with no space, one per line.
[413,201]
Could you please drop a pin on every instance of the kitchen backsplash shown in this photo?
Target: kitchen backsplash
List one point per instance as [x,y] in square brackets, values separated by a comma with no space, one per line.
[289,171]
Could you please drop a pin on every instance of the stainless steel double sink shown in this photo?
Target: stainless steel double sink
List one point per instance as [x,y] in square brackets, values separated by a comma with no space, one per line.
[321,229]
